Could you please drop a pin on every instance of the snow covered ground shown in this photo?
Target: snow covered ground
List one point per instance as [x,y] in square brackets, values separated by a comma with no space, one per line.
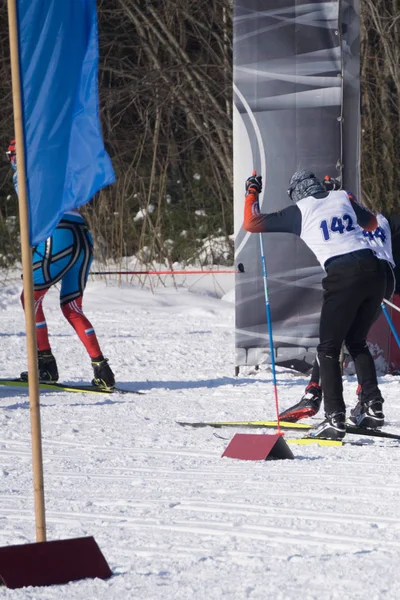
[173,519]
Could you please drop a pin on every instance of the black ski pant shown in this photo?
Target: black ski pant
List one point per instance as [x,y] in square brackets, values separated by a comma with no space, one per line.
[390,286]
[353,291]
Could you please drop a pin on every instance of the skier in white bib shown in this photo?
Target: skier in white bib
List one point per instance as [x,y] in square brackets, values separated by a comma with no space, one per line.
[332,224]
[380,241]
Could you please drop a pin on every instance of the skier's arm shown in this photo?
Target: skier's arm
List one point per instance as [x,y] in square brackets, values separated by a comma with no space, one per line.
[365,218]
[287,220]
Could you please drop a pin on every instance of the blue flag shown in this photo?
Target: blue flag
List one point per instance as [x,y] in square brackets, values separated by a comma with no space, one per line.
[66,162]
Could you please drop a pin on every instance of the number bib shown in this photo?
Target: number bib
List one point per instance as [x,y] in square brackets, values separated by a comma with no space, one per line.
[380,240]
[329,226]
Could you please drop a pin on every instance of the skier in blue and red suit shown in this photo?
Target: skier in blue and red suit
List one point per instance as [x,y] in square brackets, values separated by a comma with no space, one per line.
[66,257]
[331,224]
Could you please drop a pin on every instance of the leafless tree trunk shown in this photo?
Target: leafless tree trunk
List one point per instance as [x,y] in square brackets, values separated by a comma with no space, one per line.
[380,80]
[166,74]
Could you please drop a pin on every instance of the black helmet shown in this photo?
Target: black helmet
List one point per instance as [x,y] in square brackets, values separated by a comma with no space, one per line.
[303,184]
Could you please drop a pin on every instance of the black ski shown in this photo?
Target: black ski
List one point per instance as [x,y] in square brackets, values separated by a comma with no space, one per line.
[250,424]
[66,387]
[286,426]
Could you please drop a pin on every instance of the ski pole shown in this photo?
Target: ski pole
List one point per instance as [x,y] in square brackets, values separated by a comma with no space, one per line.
[391,325]
[391,304]
[269,324]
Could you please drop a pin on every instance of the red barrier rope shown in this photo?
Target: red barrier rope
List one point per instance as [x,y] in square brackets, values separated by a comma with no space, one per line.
[163,272]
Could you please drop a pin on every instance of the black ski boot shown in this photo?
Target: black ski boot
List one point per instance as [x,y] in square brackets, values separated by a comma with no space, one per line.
[47,366]
[368,414]
[103,376]
[308,406]
[333,428]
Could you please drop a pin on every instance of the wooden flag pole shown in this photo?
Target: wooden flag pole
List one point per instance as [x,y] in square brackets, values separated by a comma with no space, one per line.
[29,297]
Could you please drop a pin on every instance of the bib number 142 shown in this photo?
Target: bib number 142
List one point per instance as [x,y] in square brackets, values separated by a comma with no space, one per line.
[336,225]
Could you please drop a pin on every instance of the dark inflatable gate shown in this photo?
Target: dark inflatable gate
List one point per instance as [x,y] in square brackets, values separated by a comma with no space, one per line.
[296,106]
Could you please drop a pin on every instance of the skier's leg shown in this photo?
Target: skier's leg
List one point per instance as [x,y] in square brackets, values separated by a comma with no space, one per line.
[42,335]
[356,337]
[43,278]
[73,312]
[368,411]
[310,402]
[339,308]
[73,285]
[75,316]
[333,427]
[71,297]
[315,374]
[389,290]
[46,362]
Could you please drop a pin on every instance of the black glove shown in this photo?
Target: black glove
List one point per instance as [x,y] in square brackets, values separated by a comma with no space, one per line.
[254,183]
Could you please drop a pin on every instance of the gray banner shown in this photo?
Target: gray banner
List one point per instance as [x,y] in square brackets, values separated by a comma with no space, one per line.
[287,116]
[350,29]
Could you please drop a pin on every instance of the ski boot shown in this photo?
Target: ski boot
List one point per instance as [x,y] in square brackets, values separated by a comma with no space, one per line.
[103,376]
[367,414]
[47,366]
[308,406]
[333,428]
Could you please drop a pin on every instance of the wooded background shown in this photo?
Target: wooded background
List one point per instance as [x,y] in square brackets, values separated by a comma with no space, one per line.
[166,106]
[380,103]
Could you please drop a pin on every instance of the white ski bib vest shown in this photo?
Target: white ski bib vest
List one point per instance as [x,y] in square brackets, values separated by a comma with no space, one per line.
[329,226]
[380,240]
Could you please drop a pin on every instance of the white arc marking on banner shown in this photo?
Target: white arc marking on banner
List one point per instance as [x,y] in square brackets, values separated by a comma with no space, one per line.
[260,148]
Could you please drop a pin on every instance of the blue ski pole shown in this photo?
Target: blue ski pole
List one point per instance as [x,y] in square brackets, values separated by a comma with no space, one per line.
[269,324]
[392,327]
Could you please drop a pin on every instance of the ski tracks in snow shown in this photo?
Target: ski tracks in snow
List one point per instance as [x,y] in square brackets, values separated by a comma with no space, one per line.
[173,519]
[272,520]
